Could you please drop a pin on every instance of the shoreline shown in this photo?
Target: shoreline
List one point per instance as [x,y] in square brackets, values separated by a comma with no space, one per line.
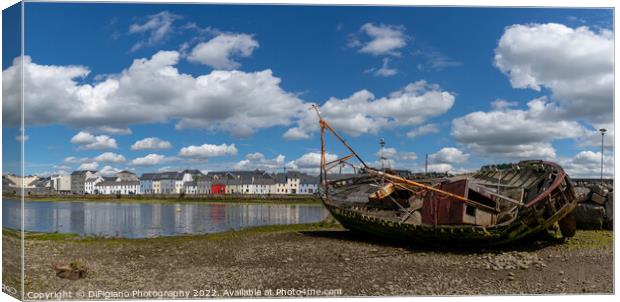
[300,227]
[320,256]
[285,200]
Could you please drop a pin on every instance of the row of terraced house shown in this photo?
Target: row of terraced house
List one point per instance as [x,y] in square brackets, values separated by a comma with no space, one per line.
[190,182]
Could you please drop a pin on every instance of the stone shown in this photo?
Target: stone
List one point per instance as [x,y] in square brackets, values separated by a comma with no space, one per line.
[589,216]
[609,210]
[598,199]
[600,190]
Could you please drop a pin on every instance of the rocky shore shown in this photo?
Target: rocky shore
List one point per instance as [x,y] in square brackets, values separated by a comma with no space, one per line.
[596,206]
[311,260]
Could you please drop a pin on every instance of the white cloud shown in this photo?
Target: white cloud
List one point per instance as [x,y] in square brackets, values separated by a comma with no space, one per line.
[295,133]
[157,28]
[220,51]
[515,133]
[89,166]
[587,164]
[234,101]
[88,141]
[422,130]
[448,155]
[384,39]
[22,138]
[112,130]
[394,159]
[435,60]
[387,153]
[408,156]
[82,138]
[151,143]
[108,171]
[75,160]
[592,138]
[500,104]
[441,168]
[257,160]
[149,160]
[310,162]
[208,150]
[110,157]
[384,70]
[576,64]
[255,156]
[362,113]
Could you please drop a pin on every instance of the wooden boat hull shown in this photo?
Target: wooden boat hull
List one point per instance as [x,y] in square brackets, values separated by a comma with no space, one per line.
[540,214]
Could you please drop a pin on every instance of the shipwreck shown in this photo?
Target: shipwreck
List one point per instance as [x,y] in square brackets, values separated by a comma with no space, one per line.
[494,205]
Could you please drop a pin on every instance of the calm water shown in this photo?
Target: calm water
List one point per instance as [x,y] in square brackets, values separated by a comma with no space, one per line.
[133,220]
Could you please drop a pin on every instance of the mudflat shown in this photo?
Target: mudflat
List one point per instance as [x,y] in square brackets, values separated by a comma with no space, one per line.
[311,260]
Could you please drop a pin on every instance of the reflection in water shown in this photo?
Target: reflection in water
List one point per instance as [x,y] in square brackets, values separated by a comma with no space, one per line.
[136,220]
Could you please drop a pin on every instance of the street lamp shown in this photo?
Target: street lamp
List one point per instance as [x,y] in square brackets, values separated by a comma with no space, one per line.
[602,130]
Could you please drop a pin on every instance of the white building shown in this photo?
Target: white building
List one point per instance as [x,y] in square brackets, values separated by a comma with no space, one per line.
[89,184]
[308,184]
[61,184]
[125,183]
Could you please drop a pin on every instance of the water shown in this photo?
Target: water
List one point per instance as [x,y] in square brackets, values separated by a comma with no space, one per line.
[140,220]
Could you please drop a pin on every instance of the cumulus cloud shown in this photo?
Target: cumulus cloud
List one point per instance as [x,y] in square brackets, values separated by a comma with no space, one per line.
[592,138]
[392,153]
[422,130]
[75,160]
[221,51]
[233,101]
[310,162]
[576,64]
[384,70]
[208,150]
[257,160]
[110,157]
[445,160]
[515,133]
[151,143]
[382,39]
[108,171]
[587,164]
[295,133]
[112,130]
[88,141]
[89,166]
[149,160]
[362,113]
[434,60]
[448,155]
[156,29]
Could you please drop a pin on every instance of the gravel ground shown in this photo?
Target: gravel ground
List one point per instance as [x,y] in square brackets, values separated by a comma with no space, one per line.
[301,263]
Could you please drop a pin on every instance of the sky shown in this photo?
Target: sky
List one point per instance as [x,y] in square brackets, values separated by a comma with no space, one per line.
[164,87]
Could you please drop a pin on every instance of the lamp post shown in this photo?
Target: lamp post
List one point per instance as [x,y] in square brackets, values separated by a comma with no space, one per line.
[602,130]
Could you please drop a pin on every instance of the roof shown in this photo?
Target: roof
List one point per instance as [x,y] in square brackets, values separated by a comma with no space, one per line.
[82,172]
[91,179]
[149,176]
[127,172]
[171,175]
[117,183]
[309,180]
[193,171]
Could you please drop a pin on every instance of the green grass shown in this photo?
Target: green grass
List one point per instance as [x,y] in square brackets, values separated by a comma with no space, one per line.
[180,238]
[595,239]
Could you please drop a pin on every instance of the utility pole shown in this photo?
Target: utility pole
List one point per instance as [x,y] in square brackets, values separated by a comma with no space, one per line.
[602,130]
[426,165]
[381,157]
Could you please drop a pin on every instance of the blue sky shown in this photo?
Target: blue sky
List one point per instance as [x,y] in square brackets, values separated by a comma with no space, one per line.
[444,70]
